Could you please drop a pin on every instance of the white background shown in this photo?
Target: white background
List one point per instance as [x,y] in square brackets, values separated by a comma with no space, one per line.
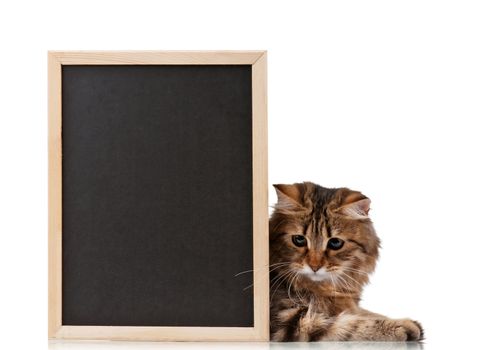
[379,96]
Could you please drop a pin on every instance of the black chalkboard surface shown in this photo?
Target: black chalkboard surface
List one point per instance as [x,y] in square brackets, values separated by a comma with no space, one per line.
[158,210]
[157,195]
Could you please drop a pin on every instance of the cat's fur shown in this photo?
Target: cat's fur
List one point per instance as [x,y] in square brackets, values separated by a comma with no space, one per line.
[325,306]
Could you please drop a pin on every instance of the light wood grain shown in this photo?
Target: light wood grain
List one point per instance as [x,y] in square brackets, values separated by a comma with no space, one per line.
[260,196]
[159,333]
[54,195]
[258,60]
[157,57]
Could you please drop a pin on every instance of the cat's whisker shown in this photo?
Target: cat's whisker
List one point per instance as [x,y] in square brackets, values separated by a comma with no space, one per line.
[250,285]
[350,286]
[340,272]
[260,268]
[263,274]
[359,284]
[299,297]
[354,270]
[285,277]
[279,273]
[278,281]
[335,279]
[282,277]
[273,292]
[290,285]
[346,285]
[278,277]
[332,282]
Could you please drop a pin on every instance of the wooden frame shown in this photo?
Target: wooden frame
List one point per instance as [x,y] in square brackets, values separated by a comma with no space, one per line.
[258,60]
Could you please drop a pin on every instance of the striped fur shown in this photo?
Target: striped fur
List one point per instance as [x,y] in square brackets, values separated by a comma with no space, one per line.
[316,287]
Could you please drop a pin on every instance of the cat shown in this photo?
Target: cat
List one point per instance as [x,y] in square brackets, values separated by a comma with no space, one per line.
[323,247]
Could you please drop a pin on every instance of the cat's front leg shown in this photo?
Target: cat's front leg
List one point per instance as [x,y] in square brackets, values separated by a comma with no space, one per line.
[304,324]
[373,327]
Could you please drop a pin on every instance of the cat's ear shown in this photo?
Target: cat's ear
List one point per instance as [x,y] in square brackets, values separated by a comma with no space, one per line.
[289,197]
[354,205]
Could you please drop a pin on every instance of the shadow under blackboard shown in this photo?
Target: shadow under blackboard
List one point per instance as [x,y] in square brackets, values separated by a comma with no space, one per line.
[117,345]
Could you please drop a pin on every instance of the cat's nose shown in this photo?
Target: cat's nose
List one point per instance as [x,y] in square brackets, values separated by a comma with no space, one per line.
[315,267]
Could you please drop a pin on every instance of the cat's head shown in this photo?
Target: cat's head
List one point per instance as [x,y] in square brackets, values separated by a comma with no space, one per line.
[322,236]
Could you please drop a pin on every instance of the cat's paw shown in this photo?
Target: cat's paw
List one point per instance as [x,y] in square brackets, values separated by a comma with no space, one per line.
[408,330]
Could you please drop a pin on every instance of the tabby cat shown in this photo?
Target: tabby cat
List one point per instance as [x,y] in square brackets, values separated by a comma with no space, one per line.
[322,248]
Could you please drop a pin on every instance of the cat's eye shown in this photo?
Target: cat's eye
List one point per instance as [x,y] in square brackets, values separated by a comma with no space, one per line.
[335,243]
[299,240]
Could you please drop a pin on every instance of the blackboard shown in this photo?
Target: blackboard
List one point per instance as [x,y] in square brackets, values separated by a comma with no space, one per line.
[157,196]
